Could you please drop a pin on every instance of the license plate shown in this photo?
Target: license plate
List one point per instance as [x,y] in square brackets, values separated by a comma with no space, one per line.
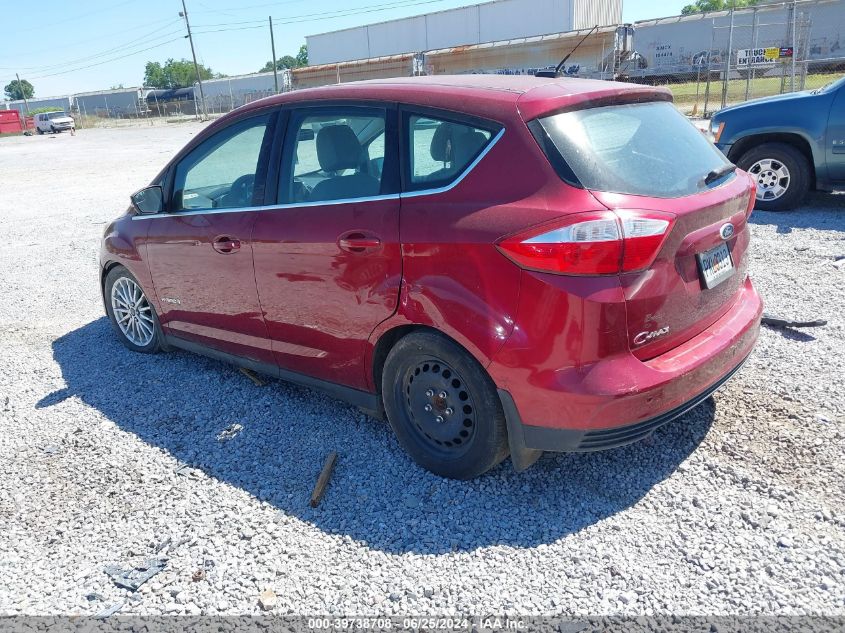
[716,265]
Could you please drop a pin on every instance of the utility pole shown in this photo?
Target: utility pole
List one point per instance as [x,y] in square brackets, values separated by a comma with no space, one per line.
[23,93]
[184,14]
[726,77]
[273,48]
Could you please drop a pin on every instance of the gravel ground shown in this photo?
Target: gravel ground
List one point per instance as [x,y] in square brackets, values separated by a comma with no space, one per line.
[109,457]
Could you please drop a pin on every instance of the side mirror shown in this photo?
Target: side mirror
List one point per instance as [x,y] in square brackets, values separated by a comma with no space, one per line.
[148,200]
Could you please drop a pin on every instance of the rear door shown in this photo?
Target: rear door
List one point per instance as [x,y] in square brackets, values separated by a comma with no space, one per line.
[327,257]
[200,252]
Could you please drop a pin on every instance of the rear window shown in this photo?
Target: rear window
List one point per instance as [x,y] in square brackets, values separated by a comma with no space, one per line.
[646,149]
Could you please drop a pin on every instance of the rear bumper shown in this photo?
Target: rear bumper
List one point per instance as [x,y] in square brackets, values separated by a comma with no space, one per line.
[623,399]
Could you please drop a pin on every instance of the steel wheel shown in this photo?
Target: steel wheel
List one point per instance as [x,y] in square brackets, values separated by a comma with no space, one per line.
[132,313]
[441,406]
[772,178]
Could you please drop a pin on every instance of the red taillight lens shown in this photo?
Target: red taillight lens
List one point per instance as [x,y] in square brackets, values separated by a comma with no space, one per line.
[594,243]
[753,200]
[583,244]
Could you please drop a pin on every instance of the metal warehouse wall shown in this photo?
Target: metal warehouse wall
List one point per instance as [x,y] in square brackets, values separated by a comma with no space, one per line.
[673,44]
[108,102]
[60,103]
[476,24]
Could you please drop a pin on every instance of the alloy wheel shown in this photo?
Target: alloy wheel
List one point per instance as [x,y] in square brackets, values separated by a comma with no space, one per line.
[772,178]
[132,313]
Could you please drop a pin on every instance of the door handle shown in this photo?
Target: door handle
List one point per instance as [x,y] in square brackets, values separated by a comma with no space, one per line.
[226,245]
[358,242]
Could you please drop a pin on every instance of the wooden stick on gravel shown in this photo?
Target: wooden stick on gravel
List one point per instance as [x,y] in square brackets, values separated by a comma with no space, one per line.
[323,479]
[253,376]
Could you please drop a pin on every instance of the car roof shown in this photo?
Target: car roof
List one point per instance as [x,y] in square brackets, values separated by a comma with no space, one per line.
[479,94]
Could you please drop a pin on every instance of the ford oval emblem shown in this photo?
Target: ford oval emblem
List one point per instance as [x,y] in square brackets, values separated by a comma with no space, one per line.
[727,231]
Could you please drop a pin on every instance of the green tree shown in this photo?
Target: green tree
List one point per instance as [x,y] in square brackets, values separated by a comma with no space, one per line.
[700,6]
[282,63]
[302,55]
[17,90]
[175,74]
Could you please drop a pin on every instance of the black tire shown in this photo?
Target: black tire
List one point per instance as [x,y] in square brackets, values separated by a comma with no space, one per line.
[156,343]
[471,439]
[52,129]
[796,165]
[40,131]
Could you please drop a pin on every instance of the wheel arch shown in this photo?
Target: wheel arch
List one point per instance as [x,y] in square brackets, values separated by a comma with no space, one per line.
[787,138]
[387,341]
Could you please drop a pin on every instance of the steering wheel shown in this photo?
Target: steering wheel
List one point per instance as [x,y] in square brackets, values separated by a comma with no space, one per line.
[241,191]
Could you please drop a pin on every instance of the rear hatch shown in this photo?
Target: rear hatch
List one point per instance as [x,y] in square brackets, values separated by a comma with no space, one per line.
[649,165]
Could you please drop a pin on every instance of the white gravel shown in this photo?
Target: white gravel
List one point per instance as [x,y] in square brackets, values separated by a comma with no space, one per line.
[108,456]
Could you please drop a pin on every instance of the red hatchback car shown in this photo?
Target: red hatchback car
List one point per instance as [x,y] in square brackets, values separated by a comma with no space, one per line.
[501,265]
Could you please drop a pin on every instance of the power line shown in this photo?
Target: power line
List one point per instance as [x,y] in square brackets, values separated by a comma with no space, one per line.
[138,41]
[324,15]
[114,59]
[53,49]
[79,16]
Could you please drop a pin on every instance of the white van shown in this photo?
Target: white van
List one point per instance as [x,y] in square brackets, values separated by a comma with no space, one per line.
[53,122]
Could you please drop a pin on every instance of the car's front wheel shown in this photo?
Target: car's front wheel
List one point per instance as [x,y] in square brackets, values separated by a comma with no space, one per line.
[782,174]
[131,314]
[443,407]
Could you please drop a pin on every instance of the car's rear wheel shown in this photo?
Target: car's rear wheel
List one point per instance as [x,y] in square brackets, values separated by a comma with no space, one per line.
[443,407]
[782,174]
[40,131]
[132,316]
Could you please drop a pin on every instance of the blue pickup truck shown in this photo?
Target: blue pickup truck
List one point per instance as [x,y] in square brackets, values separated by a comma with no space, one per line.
[790,143]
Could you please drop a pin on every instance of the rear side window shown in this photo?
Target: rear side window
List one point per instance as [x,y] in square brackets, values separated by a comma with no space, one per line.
[441,150]
[646,149]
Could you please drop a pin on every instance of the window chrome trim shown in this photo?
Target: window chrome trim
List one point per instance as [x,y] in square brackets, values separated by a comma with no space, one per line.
[323,203]
[464,173]
[271,207]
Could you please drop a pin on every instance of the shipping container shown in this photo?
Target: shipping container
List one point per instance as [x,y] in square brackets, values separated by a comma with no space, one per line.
[495,21]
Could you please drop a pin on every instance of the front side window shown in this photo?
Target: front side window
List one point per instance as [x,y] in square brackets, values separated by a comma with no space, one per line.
[441,150]
[334,155]
[222,172]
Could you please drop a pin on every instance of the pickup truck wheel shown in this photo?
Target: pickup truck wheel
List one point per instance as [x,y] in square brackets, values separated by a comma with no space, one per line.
[781,172]
[443,407]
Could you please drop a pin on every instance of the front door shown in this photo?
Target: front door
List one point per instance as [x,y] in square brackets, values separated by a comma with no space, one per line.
[836,138]
[200,252]
[327,258]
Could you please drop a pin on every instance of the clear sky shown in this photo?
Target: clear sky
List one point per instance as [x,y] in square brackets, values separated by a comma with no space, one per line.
[94,45]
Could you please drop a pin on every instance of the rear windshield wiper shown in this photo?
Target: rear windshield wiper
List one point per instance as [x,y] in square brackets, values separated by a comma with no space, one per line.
[717,173]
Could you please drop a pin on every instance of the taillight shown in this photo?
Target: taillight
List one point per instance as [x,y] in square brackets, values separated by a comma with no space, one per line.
[753,200]
[594,243]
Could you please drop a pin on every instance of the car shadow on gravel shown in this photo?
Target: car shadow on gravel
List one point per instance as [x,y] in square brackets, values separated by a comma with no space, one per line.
[821,210]
[191,407]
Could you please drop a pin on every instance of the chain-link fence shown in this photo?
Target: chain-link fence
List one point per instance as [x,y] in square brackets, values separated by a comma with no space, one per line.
[747,53]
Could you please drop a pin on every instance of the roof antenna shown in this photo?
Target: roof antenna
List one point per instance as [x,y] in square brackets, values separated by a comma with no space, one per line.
[556,72]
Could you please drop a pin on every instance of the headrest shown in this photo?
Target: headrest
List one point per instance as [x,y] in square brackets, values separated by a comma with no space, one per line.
[442,142]
[466,146]
[338,148]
